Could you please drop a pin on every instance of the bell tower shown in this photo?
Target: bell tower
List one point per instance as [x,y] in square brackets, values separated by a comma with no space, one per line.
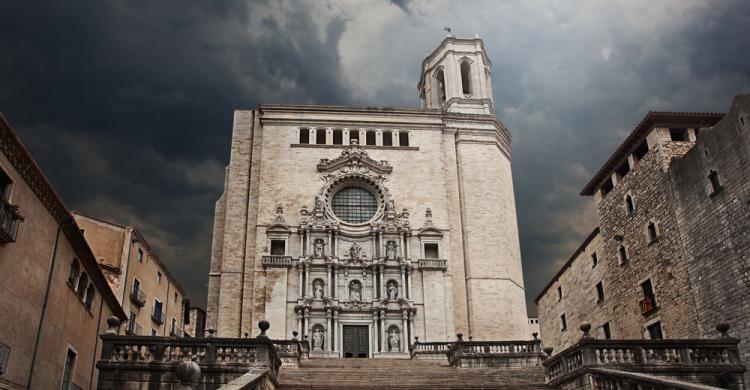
[456,77]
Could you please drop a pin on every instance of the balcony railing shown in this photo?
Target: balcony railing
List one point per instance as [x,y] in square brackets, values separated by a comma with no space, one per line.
[158,316]
[435,350]
[433,264]
[495,353]
[695,356]
[138,297]
[277,261]
[10,218]
[134,329]
[648,305]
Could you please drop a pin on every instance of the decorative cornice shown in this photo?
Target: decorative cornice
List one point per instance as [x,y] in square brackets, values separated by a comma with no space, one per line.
[354,156]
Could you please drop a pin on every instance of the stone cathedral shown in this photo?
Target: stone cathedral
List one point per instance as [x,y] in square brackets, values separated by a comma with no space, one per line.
[362,228]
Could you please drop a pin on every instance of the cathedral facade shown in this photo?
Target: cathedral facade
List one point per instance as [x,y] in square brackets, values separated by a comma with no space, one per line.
[362,228]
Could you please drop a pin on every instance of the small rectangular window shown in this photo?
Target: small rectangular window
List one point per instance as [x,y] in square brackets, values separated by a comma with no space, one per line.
[353,136]
[431,251]
[652,234]
[641,150]
[338,137]
[607,186]
[403,138]
[654,331]
[679,134]
[713,181]
[387,138]
[158,277]
[559,293]
[594,260]
[607,331]
[623,253]
[304,136]
[320,136]
[139,256]
[278,247]
[599,292]
[370,135]
[623,169]
[563,323]
[69,370]
[175,297]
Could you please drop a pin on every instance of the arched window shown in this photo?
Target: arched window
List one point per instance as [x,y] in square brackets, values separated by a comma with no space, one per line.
[83,282]
[403,138]
[370,137]
[387,138]
[466,77]
[90,292]
[304,136]
[353,136]
[338,137]
[440,78]
[75,268]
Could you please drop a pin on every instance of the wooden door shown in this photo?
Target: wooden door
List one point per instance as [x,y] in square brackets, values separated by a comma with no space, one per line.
[356,342]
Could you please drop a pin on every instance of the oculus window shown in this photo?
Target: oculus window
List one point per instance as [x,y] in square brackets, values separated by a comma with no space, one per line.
[354,205]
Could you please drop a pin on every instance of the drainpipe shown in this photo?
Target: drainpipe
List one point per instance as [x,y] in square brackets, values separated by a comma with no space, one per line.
[44,306]
[96,344]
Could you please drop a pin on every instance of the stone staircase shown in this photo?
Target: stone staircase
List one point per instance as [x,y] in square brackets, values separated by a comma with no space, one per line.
[404,374]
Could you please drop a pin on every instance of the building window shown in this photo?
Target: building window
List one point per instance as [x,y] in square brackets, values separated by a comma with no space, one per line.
[607,331]
[370,137]
[594,260]
[139,255]
[338,137]
[158,277]
[353,136]
[466,78]
[83,282]
[679,134]
[387,138]
[431,250]
[652,233]
[654,331]
[403,138]
[5,185]
[623,253]
[278,247]
[648,303]
[69,370]
[175,297]
[354,205]
[132,323]
[640,151]
[153,332]
[174,326]
[623,169]
[563,323]
[90,292]
[713,181]
[304,136]
[629,205]
[559,293]
[320,136]
[440,78]
[75,268]
[599,292]
[607,186]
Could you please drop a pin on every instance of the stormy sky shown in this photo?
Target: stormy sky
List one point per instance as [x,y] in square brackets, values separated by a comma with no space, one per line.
[127,105]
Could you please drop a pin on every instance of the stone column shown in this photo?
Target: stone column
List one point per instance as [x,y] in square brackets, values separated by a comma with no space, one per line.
[301,267]
[380,244]
[336,331]
[383,338]
[307,242]
[328,279]
[334,285]
[374,341]
[329,344]
[403,280]
[330,243]
[308,282]
[374,246]
[409,270]
[301,244]
[333,243]
[382,280]
[404,333]
[375,292]
[299,322]
[307,323]
[403,245]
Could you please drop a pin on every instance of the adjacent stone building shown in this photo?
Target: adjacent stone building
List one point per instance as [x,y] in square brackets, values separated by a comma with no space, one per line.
[195,326]
[364,227]
[149,294]
[55,301]
[671,255]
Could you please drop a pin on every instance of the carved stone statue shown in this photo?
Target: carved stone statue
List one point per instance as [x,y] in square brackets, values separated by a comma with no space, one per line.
[392,291]
[318,203]
[390,250]
[389,207]
[355,252]
[394,341]
[318,289]
[318,248]
[355,291]
[318,339]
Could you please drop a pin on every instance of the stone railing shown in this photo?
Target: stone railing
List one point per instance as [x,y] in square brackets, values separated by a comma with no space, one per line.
[436,350]
[130,361]
[433,264]
[495,353]
[277,261]
[691,357]
[606,379]
[291,352]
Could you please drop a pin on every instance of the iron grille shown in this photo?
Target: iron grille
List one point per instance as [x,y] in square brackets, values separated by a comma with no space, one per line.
[354,205]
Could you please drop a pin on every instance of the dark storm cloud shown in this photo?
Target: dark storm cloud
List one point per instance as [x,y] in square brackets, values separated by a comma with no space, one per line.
[128,105]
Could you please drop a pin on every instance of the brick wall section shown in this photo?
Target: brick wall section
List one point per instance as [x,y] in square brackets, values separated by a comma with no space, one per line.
[716,228]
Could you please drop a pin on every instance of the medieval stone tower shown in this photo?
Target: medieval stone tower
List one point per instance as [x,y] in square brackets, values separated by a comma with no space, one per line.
[363,227]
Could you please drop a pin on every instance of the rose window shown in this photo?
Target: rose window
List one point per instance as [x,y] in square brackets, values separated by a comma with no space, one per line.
[354,205]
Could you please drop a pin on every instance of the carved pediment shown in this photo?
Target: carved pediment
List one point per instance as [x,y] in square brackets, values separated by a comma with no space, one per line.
[354,158]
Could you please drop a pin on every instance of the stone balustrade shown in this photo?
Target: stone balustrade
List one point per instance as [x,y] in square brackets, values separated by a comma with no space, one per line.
[516,353]
[276,261]
[430,351]
[433,264]
[689,358]
[291,352]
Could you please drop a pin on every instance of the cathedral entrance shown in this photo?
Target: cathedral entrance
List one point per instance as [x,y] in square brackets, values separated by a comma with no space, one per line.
[356,341]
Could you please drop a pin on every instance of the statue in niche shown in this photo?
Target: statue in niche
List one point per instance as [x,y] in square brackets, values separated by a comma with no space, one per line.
[355,291]
[390,250]
[392,291]
[317,339]
[318,203]
[394,341]
[355,252]
[318,248]
[389,207]
[318,289]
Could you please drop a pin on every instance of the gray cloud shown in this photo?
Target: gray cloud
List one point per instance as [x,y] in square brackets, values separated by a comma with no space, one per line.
[128,105]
